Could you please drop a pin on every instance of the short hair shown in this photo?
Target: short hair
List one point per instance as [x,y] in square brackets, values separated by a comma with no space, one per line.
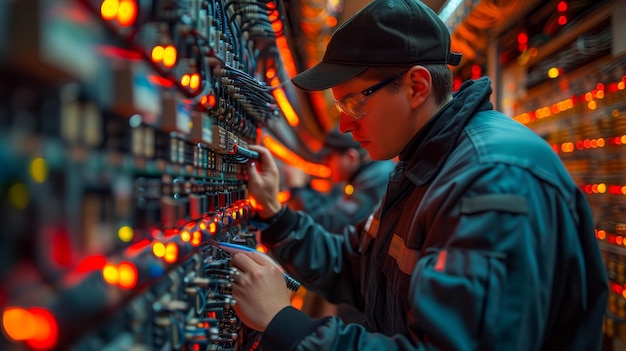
[440,74]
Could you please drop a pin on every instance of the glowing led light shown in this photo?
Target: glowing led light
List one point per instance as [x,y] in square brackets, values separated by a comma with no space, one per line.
[46,330]
[600,142]
[212,227]
[270,73]
[157,53]
[126,13]
[110,274]
[272,16]
[18,323]
[108,9]
[184,80]
[158,249]
[601,234]
[601,188]
[212,101]
[194,82]
[171,253]
[592,105]
[185,235]
[38,170]
[348,189]
[196,239]
[169,56]
[553,72]
[125,233]
[127,275]
[600,94]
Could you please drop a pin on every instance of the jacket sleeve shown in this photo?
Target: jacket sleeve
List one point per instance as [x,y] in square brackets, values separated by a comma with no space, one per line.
[324,262]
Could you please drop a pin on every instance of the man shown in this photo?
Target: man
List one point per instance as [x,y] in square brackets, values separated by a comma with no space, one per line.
[358,184]
[482,241]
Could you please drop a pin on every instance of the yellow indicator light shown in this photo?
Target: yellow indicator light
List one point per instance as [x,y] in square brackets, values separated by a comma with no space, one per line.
[126,13]
[110,274]
[184,80]
[194,82]
[108,9]
[553,72]
[169,56]
[185,236]
[158,249]
[125,233]
[39,170]
[157,53]
[348,189]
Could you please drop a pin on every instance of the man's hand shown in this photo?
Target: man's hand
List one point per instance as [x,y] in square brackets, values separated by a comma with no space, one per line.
[259,289]
[263,179]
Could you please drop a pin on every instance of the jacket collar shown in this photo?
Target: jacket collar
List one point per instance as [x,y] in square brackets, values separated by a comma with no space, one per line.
[430,147]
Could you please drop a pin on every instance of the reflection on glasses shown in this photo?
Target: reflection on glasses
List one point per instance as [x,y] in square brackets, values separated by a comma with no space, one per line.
[353,104]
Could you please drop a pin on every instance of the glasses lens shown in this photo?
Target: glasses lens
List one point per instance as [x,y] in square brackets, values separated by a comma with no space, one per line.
[352,105]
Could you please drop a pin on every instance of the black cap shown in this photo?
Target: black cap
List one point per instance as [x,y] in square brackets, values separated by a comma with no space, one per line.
[383,33]
[337,141]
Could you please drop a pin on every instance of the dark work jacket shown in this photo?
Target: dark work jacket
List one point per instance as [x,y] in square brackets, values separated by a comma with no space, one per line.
[339,209]
[483,242]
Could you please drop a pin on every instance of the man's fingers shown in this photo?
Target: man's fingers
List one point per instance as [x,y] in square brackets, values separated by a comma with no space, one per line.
[261,258]
[245,261]
[265,158]
[242,262]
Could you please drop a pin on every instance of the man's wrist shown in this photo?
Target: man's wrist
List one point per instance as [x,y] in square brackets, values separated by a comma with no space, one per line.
[273,217]
[272,211]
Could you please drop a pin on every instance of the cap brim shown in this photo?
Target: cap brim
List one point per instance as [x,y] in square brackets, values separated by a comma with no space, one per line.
[325,75]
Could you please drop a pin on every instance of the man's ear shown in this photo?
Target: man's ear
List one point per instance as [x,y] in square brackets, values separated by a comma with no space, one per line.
[421,85]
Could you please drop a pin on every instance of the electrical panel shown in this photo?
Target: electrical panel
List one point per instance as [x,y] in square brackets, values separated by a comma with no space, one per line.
[124,134]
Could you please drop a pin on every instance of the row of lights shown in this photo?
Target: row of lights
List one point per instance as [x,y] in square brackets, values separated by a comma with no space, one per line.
[589,98]
[37,327]
[124,13]
[587,144]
